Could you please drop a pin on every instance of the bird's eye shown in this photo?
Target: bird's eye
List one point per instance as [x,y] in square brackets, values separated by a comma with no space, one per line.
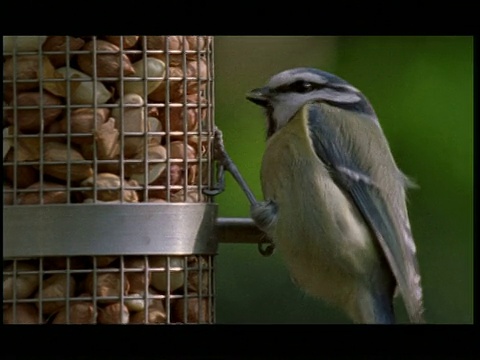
[302,86]
[299,87]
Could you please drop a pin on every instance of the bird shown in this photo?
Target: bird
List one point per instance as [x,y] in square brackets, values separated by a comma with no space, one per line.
[334,198]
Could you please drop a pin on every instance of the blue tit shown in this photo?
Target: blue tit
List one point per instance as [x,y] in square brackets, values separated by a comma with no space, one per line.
[335,203]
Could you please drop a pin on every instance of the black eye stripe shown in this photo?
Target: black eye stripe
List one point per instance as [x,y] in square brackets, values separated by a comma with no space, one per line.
[299,86]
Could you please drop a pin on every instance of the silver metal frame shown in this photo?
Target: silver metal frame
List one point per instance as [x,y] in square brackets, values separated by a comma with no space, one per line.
[104,229]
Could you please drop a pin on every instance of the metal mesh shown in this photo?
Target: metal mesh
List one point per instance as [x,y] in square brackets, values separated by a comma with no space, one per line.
[138,135]
[90,121]
[109,290]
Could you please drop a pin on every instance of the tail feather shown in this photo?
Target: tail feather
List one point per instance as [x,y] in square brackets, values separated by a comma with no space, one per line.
[373,308]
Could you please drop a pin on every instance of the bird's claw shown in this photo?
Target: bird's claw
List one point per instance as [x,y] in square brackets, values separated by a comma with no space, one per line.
[219,187]
[221,157]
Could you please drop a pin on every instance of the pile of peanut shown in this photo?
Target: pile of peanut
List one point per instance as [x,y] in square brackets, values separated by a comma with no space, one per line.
[122,115]
[108,290]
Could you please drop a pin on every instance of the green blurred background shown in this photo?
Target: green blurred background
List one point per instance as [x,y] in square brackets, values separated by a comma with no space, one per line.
[422,91]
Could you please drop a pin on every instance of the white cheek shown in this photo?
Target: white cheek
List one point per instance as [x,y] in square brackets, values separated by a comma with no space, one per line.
[285,108]
[281,114]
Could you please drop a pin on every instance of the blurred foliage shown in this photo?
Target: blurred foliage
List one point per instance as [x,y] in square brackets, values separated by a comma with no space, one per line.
[422,91]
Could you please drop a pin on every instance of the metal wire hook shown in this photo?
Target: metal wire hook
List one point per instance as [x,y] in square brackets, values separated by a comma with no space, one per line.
[266,250]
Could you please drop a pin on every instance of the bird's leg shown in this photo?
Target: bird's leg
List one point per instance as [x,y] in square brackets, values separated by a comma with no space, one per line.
[225,162]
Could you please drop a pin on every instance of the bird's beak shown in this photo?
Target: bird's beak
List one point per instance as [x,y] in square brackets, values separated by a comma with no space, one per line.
[259,96]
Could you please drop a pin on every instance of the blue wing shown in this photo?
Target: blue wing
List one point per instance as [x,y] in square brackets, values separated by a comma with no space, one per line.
[384,210]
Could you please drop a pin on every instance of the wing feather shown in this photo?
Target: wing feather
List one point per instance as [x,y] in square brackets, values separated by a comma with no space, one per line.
[370,188]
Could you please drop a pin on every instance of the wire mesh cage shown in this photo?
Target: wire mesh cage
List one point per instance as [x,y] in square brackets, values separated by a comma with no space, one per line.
[107,151]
